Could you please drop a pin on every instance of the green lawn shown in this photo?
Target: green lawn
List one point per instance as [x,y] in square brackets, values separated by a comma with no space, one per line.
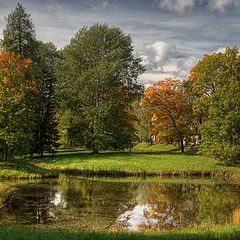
[23,169]
[216,233]
[144,160]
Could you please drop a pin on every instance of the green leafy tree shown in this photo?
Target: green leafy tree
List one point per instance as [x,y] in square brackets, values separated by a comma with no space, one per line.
[45,135]
[19,34]
[215,85]
[98,79]
[143,123]
[19,37]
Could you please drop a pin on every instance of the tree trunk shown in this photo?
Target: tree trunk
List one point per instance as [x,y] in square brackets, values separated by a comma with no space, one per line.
[181,145]
[95,151]
[41,153]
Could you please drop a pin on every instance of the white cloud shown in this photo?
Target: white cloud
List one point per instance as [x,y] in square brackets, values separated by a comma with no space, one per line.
[178,6]
[158,54]
[221,50]
[162,60]
[222,5]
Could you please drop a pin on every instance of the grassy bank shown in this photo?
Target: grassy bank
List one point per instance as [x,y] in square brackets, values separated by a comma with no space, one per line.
[23,169]
[6,191]
[145,160]
[216,233]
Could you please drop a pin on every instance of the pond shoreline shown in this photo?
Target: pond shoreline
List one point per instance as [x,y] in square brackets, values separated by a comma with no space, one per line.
[54,174]
[163,161]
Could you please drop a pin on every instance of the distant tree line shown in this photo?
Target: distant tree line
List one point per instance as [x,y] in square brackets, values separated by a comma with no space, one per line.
[87,94]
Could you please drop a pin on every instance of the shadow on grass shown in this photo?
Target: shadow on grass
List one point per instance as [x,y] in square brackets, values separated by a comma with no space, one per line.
[25,169]
[86,155]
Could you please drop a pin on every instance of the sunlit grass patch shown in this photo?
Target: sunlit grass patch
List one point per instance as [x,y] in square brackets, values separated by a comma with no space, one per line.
[161,160]
[23,169]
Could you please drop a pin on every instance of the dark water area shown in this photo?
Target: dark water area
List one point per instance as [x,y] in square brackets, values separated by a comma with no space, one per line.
[95,205]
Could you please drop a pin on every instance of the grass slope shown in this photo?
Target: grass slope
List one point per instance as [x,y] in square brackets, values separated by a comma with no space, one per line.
[144,160]
[217,233]
[23,169]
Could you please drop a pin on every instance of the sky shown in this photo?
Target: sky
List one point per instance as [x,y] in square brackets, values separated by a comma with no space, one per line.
[169,35]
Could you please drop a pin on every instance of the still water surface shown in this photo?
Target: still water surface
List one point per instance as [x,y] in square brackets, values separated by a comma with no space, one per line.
[85,204]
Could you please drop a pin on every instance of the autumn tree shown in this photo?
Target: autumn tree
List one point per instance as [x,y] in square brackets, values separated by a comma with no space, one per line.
[15,114]
[98,79]
[19,37]
[215,87]
[169,110]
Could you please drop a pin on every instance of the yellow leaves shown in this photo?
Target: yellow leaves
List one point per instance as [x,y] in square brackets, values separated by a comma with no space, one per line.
[13,83]
[169,108]
[5,80]
[154,117]
[236,217]
[12,64]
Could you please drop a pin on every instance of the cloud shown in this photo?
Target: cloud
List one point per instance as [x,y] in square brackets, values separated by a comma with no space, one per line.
[158,54]
[222,5]
[184,66]
[98,5]
[56,11]
[221,50]
[178,6]
[163,59]
[181,6]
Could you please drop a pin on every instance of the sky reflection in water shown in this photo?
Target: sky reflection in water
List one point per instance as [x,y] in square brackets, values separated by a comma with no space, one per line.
[82,204]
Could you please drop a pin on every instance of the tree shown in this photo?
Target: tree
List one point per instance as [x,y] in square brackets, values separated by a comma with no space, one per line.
[19,34]
[143,123]
[98,79]
[170,111]
[15,114]
[214,83]
[45,135]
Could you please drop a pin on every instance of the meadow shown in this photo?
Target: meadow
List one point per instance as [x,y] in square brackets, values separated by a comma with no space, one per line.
[143,160]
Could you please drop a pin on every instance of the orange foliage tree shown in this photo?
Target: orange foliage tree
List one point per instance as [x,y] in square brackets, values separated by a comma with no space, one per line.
[15,107]
[170,111]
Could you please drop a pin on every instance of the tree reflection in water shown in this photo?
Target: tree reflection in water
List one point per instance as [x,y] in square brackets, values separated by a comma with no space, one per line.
[83,204]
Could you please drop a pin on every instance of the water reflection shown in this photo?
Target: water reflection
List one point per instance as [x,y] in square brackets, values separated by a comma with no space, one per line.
[83,204]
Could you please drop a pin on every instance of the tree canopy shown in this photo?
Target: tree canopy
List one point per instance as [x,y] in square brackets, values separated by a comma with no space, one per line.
[19,33]
[15,114]
[19,37]
[215,86]
[98,79]
[170,111]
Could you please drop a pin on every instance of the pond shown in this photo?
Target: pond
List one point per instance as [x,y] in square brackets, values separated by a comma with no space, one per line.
[95,205]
